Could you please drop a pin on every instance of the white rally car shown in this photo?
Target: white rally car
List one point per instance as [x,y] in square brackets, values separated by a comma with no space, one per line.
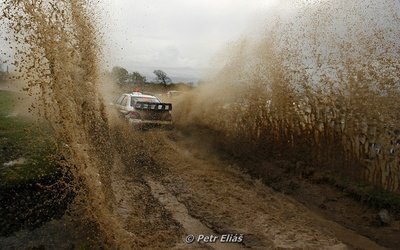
[144,110]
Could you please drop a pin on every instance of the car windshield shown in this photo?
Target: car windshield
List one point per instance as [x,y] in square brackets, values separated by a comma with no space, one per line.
[144,99]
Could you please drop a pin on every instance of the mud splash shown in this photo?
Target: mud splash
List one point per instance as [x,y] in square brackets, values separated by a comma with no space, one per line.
[57,53]
[320,81]
[339,108]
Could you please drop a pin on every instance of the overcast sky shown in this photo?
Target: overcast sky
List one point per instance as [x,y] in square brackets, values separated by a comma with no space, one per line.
[178,36]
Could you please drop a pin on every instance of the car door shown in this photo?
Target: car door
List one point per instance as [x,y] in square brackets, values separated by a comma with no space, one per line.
[124,105]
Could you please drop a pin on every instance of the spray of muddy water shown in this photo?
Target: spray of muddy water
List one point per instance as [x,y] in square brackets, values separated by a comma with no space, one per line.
[57,54]
[319,82]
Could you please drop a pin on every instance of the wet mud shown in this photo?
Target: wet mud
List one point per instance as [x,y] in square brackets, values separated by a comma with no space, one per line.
[30,205]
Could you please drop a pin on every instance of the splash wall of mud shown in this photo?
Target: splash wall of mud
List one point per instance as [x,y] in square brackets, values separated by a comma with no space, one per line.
[57,52]
[321,81]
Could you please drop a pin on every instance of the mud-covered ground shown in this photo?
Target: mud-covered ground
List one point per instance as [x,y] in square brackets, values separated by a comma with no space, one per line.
[183,185]
[223,197]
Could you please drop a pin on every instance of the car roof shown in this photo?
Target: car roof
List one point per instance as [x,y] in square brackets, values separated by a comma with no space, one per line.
[139,94]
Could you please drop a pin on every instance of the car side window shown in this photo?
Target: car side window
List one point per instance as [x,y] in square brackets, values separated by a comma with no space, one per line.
[132,101]
[119,101]
[124,101]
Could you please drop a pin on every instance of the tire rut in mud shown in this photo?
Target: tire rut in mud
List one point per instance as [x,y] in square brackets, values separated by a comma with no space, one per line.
[191,225]
[313,187]
[227,201]
[142,216]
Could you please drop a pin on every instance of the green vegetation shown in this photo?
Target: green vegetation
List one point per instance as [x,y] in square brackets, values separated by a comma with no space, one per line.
[137,78]
[123,78]
[119,74]
[25,140]
[162,77]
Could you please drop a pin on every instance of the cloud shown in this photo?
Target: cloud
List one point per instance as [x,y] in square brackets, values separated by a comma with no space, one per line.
[178,34]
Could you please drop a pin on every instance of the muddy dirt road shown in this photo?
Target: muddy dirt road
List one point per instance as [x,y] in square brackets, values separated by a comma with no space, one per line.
[178,187]
[184,188]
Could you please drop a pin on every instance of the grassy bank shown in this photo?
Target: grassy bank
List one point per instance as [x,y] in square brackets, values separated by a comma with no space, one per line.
[26,149]
[33,189]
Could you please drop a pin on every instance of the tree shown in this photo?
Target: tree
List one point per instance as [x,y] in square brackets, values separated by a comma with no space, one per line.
[120,74]
[162,76]
[137,78]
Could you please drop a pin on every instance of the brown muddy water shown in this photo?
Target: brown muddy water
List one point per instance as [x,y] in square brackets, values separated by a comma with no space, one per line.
[319,82]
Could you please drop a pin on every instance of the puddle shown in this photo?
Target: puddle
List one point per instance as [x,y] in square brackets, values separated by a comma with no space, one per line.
[19,161]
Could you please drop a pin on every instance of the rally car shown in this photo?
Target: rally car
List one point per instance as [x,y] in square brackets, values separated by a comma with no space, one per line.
[144,110]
